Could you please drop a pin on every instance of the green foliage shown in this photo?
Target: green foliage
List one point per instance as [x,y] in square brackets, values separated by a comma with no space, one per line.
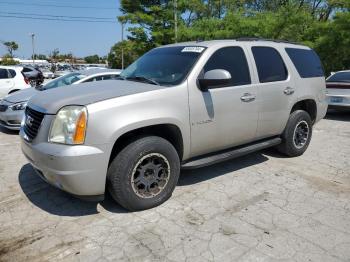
[40,57]
[11,47]
[321,24]
[7,60]
[93,59]
[130,54]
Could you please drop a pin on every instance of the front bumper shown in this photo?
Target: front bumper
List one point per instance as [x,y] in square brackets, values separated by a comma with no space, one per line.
[11,119]
[79,170]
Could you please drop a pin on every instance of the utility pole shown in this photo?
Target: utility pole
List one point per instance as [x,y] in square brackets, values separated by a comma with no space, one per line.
[33,35]
[175,19]
[122,46]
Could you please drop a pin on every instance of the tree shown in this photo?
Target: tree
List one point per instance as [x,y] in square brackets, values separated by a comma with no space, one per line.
[40,56]
[114,57]
[93,59]
[8,60]
[54,55]
[11,47]
[321,24]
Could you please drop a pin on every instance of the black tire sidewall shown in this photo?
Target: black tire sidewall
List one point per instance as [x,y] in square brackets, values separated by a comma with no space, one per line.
[121,168]
[288,147]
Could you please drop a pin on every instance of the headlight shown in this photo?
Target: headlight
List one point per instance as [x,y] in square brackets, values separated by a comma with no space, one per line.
[18,106]
[69,126]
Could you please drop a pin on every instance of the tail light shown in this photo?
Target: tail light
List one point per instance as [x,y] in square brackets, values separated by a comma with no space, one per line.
[338,85]
[26,80]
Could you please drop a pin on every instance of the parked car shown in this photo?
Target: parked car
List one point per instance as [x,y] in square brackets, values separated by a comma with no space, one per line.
[60,73]
[184,105]
[338,90]
[48,74]
[12,107]
[12,79]
[34,75]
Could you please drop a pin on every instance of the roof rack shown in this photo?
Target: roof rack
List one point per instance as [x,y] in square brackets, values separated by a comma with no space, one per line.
[266,39]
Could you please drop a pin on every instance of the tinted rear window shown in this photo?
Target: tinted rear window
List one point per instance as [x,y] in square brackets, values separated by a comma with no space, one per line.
[306,62]
[340,77]
[269,64]
[26,69]
[12,73]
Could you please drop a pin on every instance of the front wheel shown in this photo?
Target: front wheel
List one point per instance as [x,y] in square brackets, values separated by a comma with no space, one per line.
[144,174]
[297,134]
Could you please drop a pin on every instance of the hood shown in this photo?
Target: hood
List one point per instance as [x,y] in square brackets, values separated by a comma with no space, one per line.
[22,95]
[52,100]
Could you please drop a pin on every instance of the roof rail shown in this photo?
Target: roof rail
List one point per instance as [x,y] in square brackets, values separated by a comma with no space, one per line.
[266,39]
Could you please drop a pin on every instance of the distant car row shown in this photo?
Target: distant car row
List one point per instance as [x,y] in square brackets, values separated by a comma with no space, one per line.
[12,106]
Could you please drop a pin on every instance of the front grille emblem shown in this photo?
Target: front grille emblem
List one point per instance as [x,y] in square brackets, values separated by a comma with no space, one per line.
[29,121]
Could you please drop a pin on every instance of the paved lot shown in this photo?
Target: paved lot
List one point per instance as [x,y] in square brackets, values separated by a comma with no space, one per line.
[261,207]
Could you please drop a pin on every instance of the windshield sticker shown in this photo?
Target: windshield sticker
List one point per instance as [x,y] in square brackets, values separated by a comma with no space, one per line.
[195,49]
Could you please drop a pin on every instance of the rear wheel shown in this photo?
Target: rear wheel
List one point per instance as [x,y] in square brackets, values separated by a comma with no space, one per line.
[144,174]
[32,82]
[297,134]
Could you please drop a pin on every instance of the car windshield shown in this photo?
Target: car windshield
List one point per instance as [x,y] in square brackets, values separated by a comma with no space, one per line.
[165,66]
[340,77]
[65,80]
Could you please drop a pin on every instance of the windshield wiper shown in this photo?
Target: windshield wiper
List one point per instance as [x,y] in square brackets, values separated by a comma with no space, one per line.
[143,79]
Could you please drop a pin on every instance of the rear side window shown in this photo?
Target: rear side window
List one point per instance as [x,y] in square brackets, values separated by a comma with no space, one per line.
[12,73]
[106,77]
[306,62]
[26,70]
[234,61]
[269,63]
[3,74]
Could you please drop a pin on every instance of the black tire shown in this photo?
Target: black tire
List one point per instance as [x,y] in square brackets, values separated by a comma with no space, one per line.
[291,144]
[121,172]
[33,82]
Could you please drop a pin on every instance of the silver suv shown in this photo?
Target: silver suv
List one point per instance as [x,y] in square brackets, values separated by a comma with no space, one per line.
[185,105]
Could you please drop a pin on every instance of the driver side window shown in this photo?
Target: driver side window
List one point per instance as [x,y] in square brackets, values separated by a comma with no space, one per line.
[234,61]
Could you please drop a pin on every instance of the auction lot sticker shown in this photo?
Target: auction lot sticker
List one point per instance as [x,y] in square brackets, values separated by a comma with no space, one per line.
[196,49]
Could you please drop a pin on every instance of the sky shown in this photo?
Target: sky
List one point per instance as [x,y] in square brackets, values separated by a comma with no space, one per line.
[80,38]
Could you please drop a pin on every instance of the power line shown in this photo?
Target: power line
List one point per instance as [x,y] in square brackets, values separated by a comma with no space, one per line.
[59,16]
[55,19]
[59,6]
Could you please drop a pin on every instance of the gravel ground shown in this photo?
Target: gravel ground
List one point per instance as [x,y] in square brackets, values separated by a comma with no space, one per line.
[262,207]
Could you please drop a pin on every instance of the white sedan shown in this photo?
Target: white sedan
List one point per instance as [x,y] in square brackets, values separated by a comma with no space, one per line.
[12,106]
[12,79]
[338,90]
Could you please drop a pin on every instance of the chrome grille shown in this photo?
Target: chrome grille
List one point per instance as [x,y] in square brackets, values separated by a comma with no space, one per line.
[32,122]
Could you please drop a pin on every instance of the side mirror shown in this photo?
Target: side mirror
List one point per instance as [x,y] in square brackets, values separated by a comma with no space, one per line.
[214,78]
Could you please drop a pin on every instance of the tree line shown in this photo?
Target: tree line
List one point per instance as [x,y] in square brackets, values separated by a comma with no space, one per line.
[54,56]
[323,25]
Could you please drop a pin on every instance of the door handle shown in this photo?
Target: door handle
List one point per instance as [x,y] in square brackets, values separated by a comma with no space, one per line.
[247,97]
[288,91]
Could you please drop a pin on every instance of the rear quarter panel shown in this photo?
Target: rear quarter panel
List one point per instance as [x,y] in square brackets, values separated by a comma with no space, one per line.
[313,88]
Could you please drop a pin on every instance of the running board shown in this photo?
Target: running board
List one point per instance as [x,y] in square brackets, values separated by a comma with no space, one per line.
[236,152]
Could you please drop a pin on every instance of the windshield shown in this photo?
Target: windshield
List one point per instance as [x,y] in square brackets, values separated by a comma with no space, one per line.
[164,66]
[65,80]
[340,77]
